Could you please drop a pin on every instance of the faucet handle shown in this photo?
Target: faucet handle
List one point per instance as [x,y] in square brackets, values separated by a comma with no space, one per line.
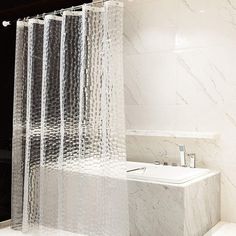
[192,160]
[157,162]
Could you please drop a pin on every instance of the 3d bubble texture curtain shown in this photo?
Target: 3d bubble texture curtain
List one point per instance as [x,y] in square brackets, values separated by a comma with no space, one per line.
[69,174]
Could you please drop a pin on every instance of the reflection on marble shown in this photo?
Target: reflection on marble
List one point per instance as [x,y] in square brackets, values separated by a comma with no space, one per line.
[180,75]
[155,209]
[151,149]
[174,210]
[11,232]
[202,206]
[223,229]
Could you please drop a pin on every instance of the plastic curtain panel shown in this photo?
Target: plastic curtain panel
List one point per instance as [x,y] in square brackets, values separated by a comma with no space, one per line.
[69,172]
[19,124]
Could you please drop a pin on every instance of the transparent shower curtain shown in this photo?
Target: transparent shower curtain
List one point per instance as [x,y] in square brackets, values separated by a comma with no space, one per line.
[19,124]
[73,175]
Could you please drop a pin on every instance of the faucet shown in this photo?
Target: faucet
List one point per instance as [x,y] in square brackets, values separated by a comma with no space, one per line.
[182,153]
[192,160]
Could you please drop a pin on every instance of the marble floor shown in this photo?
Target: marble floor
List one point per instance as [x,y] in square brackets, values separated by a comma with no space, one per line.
[221,229]
[9,232]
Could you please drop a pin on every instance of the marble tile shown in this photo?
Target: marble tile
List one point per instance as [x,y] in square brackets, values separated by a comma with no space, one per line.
[150,117]
[205,23]
[180,74]
[10,232]
[222,229]
[155,209]
[207,78]
[228,193]
[168,210]
[202,206]
[152,149]
[146,31]
[137,87]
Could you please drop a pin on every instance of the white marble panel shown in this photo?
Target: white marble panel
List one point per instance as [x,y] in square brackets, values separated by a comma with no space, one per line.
[155,209]
[151,149]
[205,73]
[145,30]
[168,210]
[202,206]
[150,117]
[150,86]
[205,23]
[228,193]
[222,229]
[180,74]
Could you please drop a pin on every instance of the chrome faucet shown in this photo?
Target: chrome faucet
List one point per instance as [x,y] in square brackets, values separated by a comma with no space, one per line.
[192,160]
[182,153]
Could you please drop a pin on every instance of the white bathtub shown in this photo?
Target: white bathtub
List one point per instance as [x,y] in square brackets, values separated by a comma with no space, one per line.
[164,174]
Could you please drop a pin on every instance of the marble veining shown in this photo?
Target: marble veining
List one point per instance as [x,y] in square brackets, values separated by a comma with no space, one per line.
[168,210]
[223,229]
[180,75]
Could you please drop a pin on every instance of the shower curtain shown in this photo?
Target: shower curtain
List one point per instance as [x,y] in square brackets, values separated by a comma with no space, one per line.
[69,173]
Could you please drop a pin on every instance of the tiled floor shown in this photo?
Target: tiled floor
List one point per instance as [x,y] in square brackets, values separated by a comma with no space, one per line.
[223,229]
[10,232]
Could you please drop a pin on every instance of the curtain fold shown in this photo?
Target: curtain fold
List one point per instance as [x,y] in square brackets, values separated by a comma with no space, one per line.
[74,160]
[19,124]
[50,123]
[33,121]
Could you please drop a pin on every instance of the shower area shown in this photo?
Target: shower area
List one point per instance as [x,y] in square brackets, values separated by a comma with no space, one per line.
[69,173]
[124,119]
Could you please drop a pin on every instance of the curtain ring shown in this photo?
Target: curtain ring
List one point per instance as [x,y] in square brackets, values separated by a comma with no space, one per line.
[25,19]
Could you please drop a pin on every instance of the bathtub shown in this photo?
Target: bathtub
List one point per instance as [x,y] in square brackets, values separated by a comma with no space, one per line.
[168,200]
[163,174]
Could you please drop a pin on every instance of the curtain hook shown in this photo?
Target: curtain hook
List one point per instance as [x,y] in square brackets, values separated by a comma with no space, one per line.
[26,19]
[6,23]
[61,11]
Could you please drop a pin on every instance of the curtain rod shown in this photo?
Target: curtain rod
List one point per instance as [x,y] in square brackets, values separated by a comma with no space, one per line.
[56,12]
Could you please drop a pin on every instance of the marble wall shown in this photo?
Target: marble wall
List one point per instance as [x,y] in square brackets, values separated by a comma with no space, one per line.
[174,209]
[180,75]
